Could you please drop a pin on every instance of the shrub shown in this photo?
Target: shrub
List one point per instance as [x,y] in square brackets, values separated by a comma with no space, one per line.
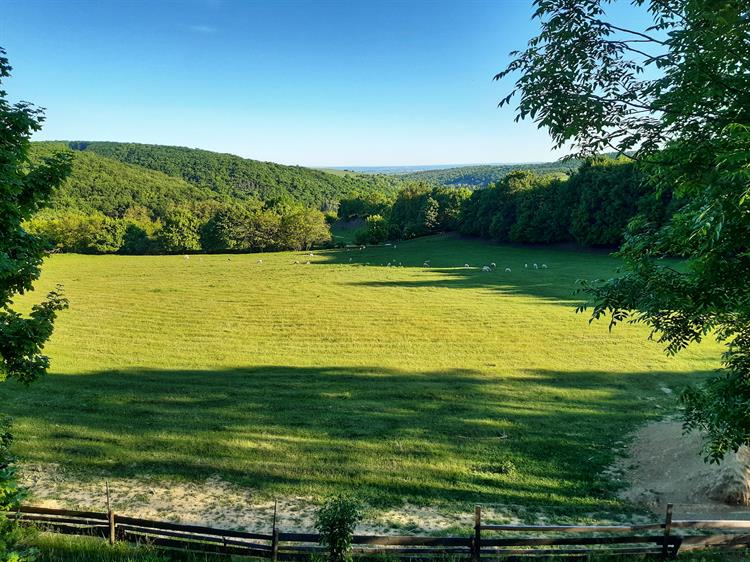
[10,498]
[375,231]
[335,521]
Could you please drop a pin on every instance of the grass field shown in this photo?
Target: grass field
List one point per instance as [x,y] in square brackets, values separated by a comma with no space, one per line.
[440,386]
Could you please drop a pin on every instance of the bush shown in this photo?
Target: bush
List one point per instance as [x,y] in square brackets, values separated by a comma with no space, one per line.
[335,521]
[75,231]
[375,231]
[10,498]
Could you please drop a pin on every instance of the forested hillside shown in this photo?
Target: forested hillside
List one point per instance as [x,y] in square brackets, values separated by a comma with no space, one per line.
[479,176]
[101,184]
[237,177]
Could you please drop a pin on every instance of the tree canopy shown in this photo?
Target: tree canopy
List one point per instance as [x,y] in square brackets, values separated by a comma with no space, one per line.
[675,97]
[23,190]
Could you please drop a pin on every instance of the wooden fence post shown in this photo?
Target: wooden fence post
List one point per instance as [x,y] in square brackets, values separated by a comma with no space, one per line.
[110,517]
[476,551]
[667,530]
[274,537]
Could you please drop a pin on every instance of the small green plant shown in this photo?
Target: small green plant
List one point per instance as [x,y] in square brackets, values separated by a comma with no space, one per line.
[335,521]
[10,498]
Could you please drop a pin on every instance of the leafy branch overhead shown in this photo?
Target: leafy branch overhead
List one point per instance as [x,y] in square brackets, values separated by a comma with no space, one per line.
[674,97]
[23,191]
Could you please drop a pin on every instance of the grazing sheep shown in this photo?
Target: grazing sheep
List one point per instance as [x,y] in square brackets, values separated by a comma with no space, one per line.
[486,269]
[493,265]
[536,266]
[259,262]
[467,266]
[507,270]
[426,264]
[389,264]
[307,263]
[296,262]
[186,257]
[311,254]
[526,265]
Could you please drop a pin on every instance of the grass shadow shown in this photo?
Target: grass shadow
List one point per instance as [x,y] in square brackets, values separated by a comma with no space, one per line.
[454,437]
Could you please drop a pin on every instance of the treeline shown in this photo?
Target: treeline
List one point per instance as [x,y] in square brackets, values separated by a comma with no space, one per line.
[486,174]
[240,178]
[203,227]
[592,208]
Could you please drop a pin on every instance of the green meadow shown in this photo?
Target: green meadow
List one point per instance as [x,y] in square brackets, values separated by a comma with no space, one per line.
[437,386]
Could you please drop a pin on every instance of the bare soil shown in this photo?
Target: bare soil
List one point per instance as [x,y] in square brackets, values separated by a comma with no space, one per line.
[218,503]
[662,465]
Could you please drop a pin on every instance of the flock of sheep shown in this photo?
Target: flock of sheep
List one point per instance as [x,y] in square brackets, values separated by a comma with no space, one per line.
[485,268]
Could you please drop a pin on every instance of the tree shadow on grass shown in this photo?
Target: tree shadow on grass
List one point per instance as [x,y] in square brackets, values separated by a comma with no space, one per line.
[555,278]
[454,437]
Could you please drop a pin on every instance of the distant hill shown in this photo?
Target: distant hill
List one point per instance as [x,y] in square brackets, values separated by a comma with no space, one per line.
[234,176]
[482,175]
[102,184]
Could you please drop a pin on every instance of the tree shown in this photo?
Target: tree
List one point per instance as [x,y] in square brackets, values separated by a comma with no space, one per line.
[23,190]
[302,228]
[429,214]
[181,231]
[675,97]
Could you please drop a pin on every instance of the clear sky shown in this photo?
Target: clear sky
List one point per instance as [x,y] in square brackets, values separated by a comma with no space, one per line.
[309,83]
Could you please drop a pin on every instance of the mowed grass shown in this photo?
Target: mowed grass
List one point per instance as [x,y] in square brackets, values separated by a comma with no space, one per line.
[443,386]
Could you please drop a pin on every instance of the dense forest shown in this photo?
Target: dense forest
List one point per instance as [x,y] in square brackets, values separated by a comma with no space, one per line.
[236,177]
[133,198]
[483,175]
[593,207]
[101,184]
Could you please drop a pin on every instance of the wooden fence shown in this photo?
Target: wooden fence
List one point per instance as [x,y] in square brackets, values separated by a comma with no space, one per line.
[489,542]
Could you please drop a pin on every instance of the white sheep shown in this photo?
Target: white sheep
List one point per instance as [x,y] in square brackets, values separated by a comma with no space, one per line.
[544,266]
[493,265]
[394,246]
[389,264]
[311,254]
[426,264]
[350,260]
[467,266]
[307,263]
[486,269]
[526,265]
[186,257]
[536,266]
[259,262]
[507,270]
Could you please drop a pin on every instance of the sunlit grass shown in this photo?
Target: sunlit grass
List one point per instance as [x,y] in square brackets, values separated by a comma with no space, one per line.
[395,383]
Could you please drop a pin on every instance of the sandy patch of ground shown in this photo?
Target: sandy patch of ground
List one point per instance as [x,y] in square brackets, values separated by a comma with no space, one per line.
[218,503]
[664,466]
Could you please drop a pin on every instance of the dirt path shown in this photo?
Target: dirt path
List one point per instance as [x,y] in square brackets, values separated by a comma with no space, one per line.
[219,504]
[664,466]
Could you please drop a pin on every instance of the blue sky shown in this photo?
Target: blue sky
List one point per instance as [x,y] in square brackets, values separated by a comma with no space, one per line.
[309,83]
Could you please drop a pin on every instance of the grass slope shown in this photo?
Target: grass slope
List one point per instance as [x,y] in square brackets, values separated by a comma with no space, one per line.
[442,386]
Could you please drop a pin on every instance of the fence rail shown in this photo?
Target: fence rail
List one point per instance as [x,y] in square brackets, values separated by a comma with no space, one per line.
[488,542]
